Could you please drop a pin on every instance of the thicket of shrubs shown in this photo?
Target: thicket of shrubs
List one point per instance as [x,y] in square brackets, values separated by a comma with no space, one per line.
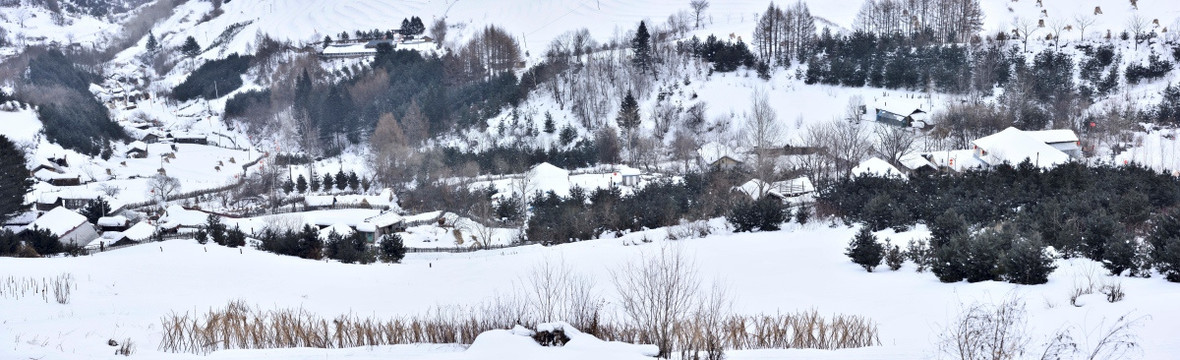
[981,233]
[32,243]
[354,248]
[250,101]
[214,78]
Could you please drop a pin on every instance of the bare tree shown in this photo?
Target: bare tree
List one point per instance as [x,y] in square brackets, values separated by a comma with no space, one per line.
[547,286]
[438,31]
[698,10]
[1083,21]
[656,293]
[1136,25]
[984,331]
[684,147]
[22,14]
[161,187]
[847,145]
[894,142]
[1056,26]
[763,132]
[1023,28]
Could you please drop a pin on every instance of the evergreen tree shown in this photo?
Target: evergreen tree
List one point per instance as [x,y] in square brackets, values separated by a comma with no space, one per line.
[201,236]
[215,229]
[314,183]
[1165,245]
[893,255]
[152,45]
[301,184]
[550,126]
[190,48]
[42,241]
[864,249]
[354,182]
[947,226]
[288,186]
[341,180]
[235,237]
[981,256]
[803,214]
[327,40]
[96,209]
[310,245]
[946,260]
[392,248]
[641,46]
[14,179]
[628,118]
[567,134]
[1119,255]
[1027,263]
[329,182]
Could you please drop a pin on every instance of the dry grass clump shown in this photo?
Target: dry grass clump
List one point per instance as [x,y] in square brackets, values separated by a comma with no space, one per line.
[238,326]
[59,287]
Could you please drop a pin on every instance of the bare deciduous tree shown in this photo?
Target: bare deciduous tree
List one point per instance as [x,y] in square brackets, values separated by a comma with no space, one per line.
[1083,21]
[1023,29]
[438,31]
[161,186]
[1136,25]
[894,142]
[763,133]
[656,293]
[698,10]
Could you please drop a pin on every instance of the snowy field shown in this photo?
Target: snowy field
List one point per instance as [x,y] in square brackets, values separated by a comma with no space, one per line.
[124,293]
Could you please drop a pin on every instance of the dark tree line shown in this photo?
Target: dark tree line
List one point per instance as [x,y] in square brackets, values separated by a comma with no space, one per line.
[15,181]
[726,56]
[1095,212]
[214,78]
[72,116]
[354,248]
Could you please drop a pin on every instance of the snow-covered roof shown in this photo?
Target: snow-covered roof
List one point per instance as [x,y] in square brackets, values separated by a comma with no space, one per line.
[112,221]
[914,161]
[755,188]
[140,232]
[712,151]
[901,106]
[49,175]
[137,146]
[1054,136]
[545,170]
[1014,146]
[876,167]
[385,219]
[348,49]
[176,216]
[59,221]
[366,227]
[957,160]
[339,228]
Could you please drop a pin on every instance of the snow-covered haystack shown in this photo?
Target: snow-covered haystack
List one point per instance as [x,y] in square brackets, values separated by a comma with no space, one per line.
[518,343]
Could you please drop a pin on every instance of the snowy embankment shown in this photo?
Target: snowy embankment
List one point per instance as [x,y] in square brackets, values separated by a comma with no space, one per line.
[123,294]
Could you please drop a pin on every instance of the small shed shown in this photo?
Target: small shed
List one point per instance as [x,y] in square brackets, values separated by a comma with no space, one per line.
[386,223]
[58,179]
[113,223]
[901,112]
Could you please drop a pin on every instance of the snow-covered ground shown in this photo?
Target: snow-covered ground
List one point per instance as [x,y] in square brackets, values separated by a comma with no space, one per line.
[124,293]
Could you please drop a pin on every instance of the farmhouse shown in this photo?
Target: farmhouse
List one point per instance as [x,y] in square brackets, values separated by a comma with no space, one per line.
[70,227]
[190,139]
[386,223]
[137,150]
[1013,146]
[339,51]
[113,223]
[1061,139]
[58,179]
[321,202]
[716,155]
[900,112]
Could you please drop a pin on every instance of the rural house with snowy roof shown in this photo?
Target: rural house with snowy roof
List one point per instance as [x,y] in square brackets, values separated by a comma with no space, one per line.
[70,227]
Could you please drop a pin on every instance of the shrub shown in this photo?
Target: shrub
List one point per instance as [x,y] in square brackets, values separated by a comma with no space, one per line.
[893,255]
[919,252]
[1027,263]
[392,248]
[765,214]
[864,250]
[42,241]
[1165,244]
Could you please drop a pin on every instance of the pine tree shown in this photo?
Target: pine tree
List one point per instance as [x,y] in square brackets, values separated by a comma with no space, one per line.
[1027,263]
[341,180]
[301,184]
[392,248]
[641,46]
[354,182]
[893,255]
[152,45]
[629,112]
[550,126]
[314,183]
[947,226]
[190,48]
[803,214]
[235,237]
[96,209]
[567,134]
[327,40]
[288,186]
[329,182]
[14,179]
[1119,255]
[1165,245]
[216,229]
[864,249]
[310,244]
[982,256]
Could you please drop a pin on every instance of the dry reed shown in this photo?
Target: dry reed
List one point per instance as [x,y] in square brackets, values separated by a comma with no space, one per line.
[238,326]
[59,287]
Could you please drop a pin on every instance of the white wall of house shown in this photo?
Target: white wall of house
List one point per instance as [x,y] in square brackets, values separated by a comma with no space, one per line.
[80,236]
